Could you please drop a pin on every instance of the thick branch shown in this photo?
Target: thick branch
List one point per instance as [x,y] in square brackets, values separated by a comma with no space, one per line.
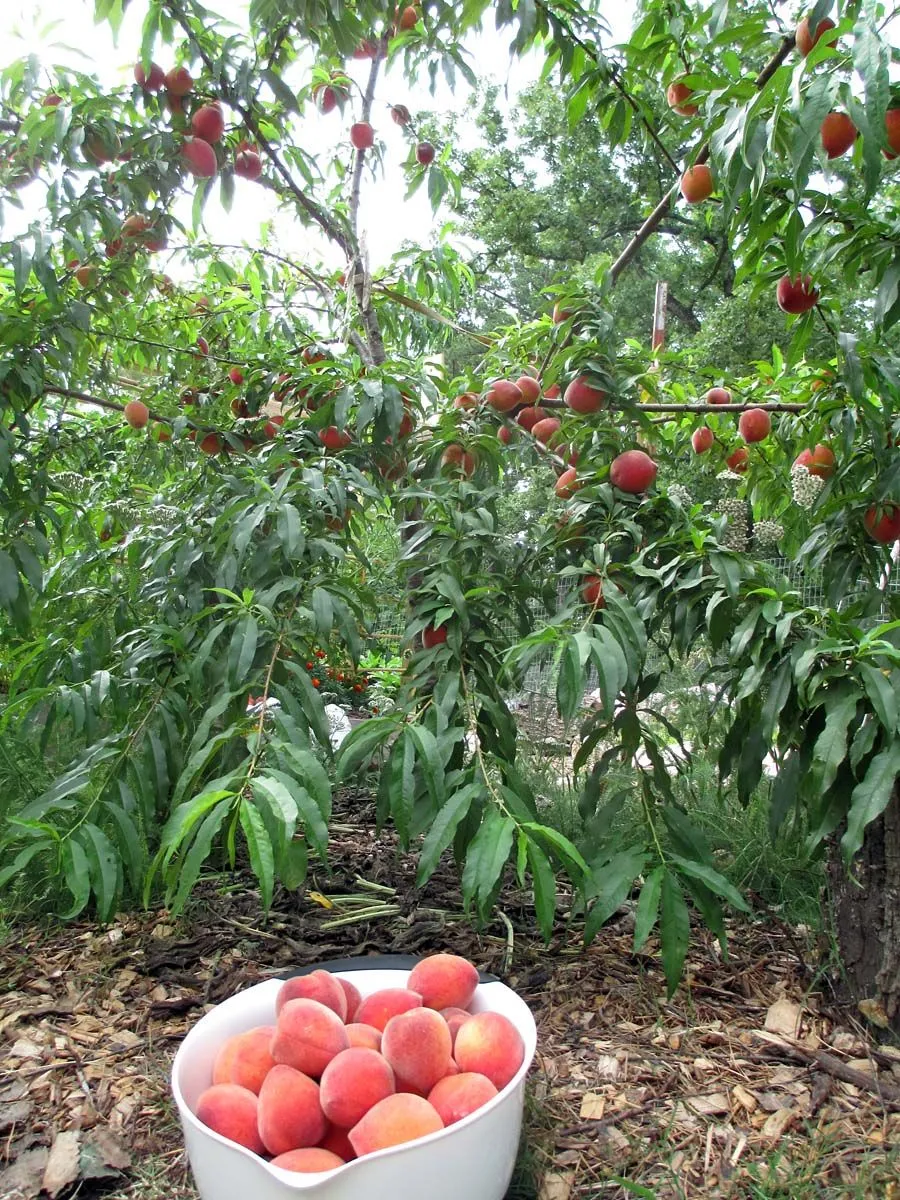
[361,280]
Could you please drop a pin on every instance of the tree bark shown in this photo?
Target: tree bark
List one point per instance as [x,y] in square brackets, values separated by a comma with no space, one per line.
[865,907]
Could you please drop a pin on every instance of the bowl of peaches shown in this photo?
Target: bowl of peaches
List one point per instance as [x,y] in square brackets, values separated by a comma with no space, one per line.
[374,1077]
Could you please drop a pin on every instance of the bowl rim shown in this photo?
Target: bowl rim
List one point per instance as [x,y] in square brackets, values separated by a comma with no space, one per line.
[302,1180]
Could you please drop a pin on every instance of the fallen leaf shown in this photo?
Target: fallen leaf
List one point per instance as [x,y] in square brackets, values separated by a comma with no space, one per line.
[711,1105]
[22,1180]
[14,1114]
[63,1164]
[556,1185]
[784,1017]
[778,1122]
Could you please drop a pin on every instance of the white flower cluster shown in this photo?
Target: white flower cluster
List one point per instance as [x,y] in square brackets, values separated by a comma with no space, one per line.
[735,536]
[680,495]
[805,488]
[123,511]
[71,481]
[727,476]
[767,534]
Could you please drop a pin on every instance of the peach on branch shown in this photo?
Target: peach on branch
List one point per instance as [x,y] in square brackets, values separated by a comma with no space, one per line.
[362,135]
[718,395]
[178,81]
[678,98]
[796,295]
[818,461]
[208,123]
[530,388]
[199,157]
[632,471]
[754,425]
[584,397]
[702,439]
[838,133]
[137,414]
[150,81]
[882,523]
[503,395]
[697,183]
[568,484]
[804,37]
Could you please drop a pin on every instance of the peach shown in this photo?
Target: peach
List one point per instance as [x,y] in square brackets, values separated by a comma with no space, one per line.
[245,1059]
[337,1141]
[455,1096]
[307,1036]
[378,1008]
[418,1046]
[363,1035]
[309,1159]
[232,1111]
[444,981]
[396,1119]
[318,985]
[290,1111]
[354,999]
[454,1018]
[490,1045]
[354,1081]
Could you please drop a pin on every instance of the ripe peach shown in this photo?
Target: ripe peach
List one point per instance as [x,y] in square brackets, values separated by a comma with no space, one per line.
[702,439]
[394,1120]
[838,134]
[400,114]
[455,1096]
[408,17]
[338,1143]
[455,1017]
[211,444]
[818,461]
[738,460]
[892,132]
[697,183]
[236,375]
[417,1044]
[151,82]
[718,395]
[568,484]
[354,1081]
[363,1035]
[333,438]
[378,1008]
[545,431]
[317,985]
[290,1110]
[677,95]
[530,389]
[561,314]
[529,417]
[208,123]
[431,637]
[362,135]
[796,295]
[245,1059]
[503,395]
[882,522]
[425,154]
[178,81]
[307,1036]
[248,164]
[584,397]
[632,472]
[444,981]
[463,460]
[490,1045]
[308,1160]
[804,37]
[136,413]
[354,999]
[754,424]
[591,593]
[504,434]
[199,157]
[466,400]
[231,1111]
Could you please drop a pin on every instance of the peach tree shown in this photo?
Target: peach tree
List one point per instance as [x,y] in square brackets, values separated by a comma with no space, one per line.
[197,437]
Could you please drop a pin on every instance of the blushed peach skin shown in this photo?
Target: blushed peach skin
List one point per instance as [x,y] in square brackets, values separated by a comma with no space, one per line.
[337,1141]
[290,1113]
[417,1044]
[352,1083]
[366,1036]
[454,1018]
[394,1120]
[444,981]
[455,1096]
[317,985]
[378,1008]
[307,1036]
[245,1059]
[353,995]
[490,1045]
[308,1160]
[232,1111]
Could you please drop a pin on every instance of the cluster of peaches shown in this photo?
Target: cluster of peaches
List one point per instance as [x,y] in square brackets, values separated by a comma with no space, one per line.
[339,1076]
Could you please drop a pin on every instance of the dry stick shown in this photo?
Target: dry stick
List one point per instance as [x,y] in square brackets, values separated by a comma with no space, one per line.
[886,1092]
[655,219]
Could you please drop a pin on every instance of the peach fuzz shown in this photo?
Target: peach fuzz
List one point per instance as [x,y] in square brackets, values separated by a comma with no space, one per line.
[363,1035]
[455,1096]
[394,1120]
[418,1046]
[489,1044]
[352,1083]
[354,997]
[309,1159]
[245,1059]
[233,1112]
[307,1036]
[378,1008]
[318,985]
[290,1112]
[444,981]
[454,1018]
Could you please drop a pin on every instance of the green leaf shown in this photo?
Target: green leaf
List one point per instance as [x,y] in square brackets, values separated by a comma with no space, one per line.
[830,749]
[9,580]
[784,791]
[443,828]
[188,871]
[293,864]
[262,857]
[77,875]
[881,695]
[544,887]
[23,858]
[566,850]
[358,746]
[487,855]
[104,868]
[323,611]
[314,778]
[612,884]
[647,910]
[713,880]
[570,681]
[242,651]
[186,816]
[674,931]
[429,760]
[870,797]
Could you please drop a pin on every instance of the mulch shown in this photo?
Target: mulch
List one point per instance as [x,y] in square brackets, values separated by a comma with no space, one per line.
[746,1076]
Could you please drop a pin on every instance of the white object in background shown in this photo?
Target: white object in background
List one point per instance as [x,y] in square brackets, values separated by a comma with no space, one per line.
[255,707]
[338,724]
[470,1160]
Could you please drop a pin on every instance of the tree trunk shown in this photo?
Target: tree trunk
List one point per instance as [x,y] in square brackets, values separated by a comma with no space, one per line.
[866,916]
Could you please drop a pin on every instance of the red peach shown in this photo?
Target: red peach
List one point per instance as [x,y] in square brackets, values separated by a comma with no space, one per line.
[307,1036]
[354,999]
[317,985]
[490,1045]
[354,1081]
[444,981]
[232,1111]
[363,1035]
[308,1160]
[394,1120]
[455,1096]
[454,1018]
[418,1046]
[290,1111]
[338,1143]
[245,1059]
[378,1008]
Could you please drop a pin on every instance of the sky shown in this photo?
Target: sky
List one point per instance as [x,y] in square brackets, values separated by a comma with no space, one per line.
[63,32]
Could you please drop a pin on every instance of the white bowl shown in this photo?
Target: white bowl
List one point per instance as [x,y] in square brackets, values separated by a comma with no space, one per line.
[470,1160]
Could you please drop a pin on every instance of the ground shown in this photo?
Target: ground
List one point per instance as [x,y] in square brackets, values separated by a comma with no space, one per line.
[748,1083]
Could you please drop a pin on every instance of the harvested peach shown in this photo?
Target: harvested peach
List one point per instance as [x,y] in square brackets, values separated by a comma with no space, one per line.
[363,1035]
[354,1081]
[245,1059]
[455,1096]
[309,1159]
[307,1036]
[454,1018]
[337,1141]
[378,1008]
[418,1046]
[489,1044]
[318,985]
[232,1111]
[354,999]
[444,981]
[290,1112]
[394,1120]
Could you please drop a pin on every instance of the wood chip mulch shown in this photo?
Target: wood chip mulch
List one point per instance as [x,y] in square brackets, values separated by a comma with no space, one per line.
[746,1077]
